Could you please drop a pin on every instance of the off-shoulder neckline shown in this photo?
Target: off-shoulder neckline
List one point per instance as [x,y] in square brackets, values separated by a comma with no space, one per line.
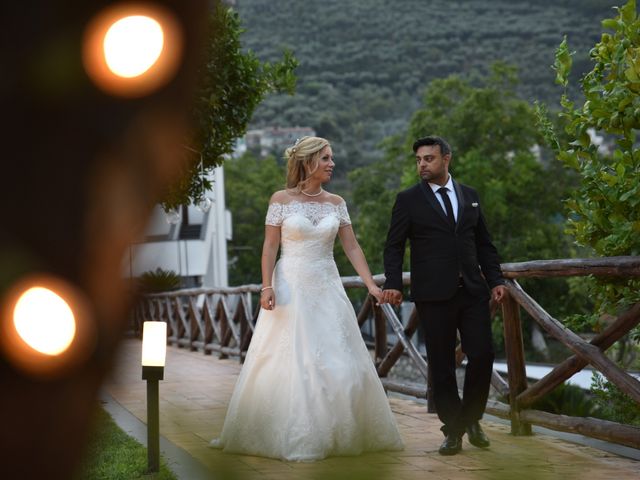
[341,202]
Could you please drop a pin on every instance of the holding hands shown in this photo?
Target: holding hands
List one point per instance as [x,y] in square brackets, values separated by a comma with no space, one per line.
[376,291]
[394,297]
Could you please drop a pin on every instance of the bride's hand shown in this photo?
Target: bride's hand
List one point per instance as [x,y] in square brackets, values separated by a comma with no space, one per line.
[377,293]
[268,299]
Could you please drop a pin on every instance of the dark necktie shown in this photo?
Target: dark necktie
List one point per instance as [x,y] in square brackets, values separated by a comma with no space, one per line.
[447,204]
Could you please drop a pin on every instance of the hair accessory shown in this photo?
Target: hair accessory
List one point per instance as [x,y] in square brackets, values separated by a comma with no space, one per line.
[294,149]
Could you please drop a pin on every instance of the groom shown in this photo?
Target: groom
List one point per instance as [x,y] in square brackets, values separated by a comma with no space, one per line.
[453,266]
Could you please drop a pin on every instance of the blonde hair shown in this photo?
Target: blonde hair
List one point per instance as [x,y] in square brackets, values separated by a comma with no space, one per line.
[302,161]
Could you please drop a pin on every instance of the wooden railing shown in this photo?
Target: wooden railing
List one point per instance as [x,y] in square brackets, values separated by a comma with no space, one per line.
[222,320]
[218,320]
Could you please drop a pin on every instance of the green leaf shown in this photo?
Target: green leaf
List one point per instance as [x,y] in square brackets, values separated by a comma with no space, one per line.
[624,102]
[563,62]
[628,12]
[569,159]
[631,75]
[627,195]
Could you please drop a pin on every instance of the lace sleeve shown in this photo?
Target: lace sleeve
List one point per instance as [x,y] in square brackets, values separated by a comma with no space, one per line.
[274,215]
[343,214]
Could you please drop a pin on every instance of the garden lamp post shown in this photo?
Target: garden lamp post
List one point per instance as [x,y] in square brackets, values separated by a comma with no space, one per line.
[154,349]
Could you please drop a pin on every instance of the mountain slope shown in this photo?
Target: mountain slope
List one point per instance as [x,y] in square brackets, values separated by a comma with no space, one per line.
[364,64]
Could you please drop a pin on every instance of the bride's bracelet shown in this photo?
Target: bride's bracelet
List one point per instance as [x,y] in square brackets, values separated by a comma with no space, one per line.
[265,288]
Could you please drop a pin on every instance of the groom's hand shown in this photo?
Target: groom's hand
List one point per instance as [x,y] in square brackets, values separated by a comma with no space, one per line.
[499,293]
[392,296]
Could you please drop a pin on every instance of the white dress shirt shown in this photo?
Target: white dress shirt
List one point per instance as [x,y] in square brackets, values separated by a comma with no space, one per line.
[452,196]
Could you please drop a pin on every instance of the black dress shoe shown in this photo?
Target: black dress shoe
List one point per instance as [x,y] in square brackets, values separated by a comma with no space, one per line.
[476,436]
[452,444]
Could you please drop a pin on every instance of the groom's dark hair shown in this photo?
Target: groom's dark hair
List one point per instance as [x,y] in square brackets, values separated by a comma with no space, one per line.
[445,149]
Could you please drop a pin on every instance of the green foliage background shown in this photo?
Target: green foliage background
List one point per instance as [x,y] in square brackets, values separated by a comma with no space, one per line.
[231,84]
[374,75]
[603,210]
[249,183]
[492,133]
[364,63]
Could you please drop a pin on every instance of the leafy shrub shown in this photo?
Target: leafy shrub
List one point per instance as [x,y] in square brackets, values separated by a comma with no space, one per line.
[158,280]
[614,404]
[568,399]
[603,213]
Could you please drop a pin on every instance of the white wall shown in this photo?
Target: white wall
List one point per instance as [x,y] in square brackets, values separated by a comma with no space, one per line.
[205,257]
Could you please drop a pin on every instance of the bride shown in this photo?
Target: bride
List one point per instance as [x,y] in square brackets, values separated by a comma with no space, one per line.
[308,388]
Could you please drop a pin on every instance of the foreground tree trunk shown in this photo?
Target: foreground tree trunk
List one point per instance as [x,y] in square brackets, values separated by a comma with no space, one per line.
[82,169]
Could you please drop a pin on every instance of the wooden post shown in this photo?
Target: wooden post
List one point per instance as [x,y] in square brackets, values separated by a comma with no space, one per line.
[246,330]
[517,375]
[381,335]
[363,314]
[208,326]
[225,331]
[397,350]
[195,324]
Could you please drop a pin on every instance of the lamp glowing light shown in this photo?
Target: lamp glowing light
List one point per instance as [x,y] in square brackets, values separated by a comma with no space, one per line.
[154,352]
[44,321]
[132,45]
[154,344]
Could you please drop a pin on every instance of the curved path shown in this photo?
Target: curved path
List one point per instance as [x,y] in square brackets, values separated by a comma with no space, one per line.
[193,400]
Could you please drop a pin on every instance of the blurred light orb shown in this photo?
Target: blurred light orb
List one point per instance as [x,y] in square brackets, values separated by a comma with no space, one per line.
[132,49]
[132,45]
[44,321]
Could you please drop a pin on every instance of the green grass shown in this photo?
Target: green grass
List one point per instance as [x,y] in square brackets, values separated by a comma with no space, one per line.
[114,455]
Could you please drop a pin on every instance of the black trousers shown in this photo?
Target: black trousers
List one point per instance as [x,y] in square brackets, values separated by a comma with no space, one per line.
[441,320]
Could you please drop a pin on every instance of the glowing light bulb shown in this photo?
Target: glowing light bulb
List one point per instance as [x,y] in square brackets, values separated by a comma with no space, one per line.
[132,45]
[44,321]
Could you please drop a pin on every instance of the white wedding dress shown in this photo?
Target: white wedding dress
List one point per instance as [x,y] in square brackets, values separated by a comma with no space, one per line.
[308,388]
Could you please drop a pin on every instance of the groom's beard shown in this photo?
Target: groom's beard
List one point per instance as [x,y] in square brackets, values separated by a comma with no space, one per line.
[430,177]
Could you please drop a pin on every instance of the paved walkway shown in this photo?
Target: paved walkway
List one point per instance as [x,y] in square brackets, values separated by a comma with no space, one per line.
[197,388]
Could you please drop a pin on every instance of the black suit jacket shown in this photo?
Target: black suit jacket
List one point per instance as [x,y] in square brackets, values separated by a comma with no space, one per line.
[440,253]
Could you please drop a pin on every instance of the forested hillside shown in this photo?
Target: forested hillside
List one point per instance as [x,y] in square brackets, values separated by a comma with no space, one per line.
[364,64]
